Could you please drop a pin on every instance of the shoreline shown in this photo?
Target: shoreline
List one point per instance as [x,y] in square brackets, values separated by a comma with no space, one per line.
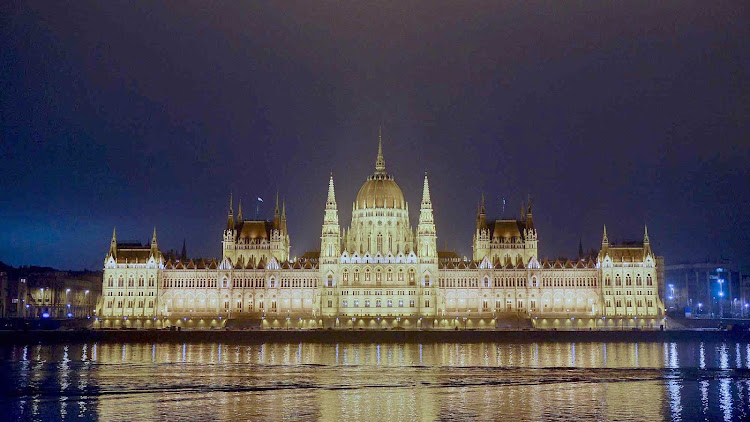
[343,336]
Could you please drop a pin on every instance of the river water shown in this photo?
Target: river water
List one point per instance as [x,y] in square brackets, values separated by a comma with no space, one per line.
[376,382]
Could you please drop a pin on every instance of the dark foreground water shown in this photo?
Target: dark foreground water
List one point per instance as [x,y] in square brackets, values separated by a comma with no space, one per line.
[376,382]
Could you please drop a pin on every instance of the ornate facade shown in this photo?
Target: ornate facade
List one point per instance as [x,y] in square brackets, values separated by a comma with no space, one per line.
[381,273]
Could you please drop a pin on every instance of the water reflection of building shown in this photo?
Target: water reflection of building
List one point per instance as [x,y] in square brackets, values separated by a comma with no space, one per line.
[380,272]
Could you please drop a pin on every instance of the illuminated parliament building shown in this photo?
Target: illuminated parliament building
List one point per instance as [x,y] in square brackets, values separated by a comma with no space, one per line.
[380,273]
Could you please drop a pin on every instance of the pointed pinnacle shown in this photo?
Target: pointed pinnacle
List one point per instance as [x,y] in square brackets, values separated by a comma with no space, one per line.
[380,160]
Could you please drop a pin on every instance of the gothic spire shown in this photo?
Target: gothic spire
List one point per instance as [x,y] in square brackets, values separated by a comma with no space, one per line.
[183,255]
[580,248]
[331,201]
[605,239]
[154,244]
[282,227]
[645,234]
[426,201]
[380,161]
[276,210]
[113,243]
[230,217]
[239,211]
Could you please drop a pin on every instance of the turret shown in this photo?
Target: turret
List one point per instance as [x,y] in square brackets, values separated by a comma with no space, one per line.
[481,215]
[330,239]
[529,218]
[426,233]
[481,244]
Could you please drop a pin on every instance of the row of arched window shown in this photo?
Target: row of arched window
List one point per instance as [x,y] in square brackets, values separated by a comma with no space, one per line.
[628,280]
[131,282]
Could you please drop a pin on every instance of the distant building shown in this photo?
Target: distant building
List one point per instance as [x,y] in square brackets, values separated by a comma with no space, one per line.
[380,272]
[707,288]
[34,292]
[3,294]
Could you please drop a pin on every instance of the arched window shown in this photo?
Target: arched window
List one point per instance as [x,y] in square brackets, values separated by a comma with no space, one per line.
[486,283]
[618,280]
[427,280]
[110,282]
[330,281]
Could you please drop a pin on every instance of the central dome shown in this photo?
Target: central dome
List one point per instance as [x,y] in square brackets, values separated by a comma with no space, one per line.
[380,190]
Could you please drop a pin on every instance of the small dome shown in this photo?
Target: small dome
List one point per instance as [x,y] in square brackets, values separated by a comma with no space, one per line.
[380,191]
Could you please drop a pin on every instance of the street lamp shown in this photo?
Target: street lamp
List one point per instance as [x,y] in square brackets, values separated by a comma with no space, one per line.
[671,294]
[721,297]
[700,308]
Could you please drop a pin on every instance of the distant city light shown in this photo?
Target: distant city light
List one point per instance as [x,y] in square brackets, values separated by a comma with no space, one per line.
[45,315]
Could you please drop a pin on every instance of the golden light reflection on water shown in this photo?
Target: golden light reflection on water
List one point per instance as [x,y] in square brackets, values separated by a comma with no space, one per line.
[358,381]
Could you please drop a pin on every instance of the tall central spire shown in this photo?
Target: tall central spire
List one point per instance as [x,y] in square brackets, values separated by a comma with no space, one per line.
[380,161]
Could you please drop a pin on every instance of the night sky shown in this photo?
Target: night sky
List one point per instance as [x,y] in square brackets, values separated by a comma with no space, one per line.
[143,114]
